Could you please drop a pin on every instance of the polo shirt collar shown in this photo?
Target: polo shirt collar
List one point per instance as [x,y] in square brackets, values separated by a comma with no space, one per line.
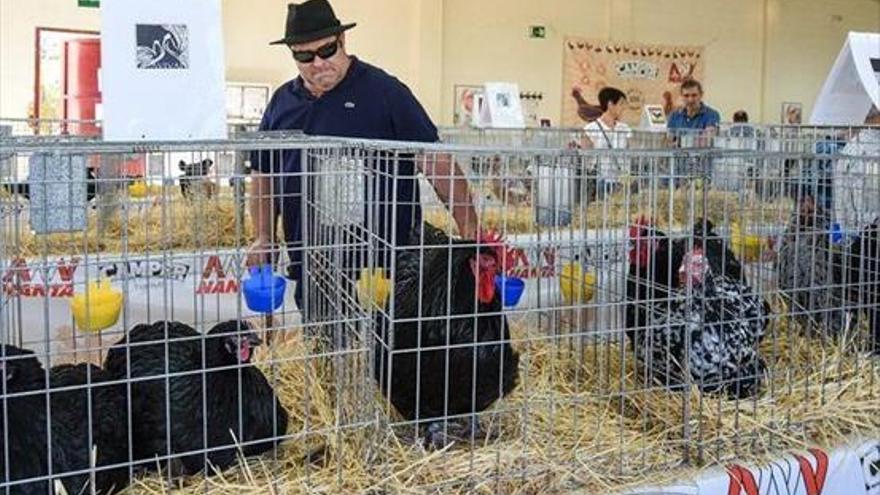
[700,111]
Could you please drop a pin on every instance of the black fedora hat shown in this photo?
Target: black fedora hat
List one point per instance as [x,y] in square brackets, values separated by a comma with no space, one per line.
[310,21]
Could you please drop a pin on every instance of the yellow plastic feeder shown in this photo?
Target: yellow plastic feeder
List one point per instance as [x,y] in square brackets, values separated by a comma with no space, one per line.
[138,189]
[373,288]
[747,247]
[98,308]
[577,285]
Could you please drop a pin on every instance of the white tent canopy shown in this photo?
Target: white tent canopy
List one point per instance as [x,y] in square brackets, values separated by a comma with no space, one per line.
[853,84]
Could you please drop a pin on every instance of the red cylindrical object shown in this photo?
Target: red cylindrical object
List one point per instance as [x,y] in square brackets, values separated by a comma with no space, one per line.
[82,59]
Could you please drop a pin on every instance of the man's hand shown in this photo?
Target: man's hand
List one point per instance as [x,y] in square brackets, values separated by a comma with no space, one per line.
[263,217]
[260,252]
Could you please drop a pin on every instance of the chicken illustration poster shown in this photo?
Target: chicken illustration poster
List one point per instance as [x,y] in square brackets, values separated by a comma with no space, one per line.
[648,74]
[162,70]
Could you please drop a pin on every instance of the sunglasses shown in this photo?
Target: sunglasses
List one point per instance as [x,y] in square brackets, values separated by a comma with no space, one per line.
[324,51]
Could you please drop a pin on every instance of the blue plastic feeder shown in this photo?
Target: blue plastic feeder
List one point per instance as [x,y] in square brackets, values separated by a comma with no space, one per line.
[264,291]
[512,289]
[836,234]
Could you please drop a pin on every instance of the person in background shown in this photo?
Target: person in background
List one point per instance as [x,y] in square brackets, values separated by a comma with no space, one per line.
[741,127]
[691,126]
[694,115]
[609,132]
[856,180]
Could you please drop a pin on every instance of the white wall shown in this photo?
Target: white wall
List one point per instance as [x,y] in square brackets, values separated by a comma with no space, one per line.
[387,34]
[759,53]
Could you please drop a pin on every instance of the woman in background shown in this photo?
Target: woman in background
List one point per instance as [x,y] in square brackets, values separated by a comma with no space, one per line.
[609,132]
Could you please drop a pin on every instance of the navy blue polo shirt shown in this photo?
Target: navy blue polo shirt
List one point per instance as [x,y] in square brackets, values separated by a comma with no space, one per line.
[705,117]
[368,103]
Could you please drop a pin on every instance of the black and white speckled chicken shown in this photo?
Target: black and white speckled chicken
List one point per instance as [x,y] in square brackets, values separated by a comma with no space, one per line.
[691,305]
[458,359]
[810,272]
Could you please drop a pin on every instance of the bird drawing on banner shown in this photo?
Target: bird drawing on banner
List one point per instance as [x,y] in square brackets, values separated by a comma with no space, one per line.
[586,111]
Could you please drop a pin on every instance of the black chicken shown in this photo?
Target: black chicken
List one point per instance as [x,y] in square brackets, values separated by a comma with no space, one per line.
[229,391]
[25,431]
[194,180]
[109,425]
[810,272]
[457,360]
[714,328]
[864,277]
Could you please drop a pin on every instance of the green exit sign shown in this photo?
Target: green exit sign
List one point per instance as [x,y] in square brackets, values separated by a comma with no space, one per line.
[537,31]
[89,3]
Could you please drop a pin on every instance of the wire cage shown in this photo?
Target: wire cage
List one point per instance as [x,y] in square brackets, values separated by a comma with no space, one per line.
[614,317]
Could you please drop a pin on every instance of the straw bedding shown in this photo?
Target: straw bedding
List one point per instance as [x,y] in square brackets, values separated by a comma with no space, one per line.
[580,422]
[174,223]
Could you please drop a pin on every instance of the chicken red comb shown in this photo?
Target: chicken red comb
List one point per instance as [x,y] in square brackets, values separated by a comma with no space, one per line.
[640,223]
[493,240]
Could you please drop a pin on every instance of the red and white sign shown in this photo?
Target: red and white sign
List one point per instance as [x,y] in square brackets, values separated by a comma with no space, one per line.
[847,471]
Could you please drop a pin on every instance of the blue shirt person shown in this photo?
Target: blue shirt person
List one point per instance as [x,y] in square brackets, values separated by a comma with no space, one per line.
[692,126]
[339,95]
[694,115]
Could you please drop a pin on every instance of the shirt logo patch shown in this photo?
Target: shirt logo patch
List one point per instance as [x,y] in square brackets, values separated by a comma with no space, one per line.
[349,104]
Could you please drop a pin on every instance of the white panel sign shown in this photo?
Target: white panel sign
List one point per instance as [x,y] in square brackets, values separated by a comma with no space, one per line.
[187,287]
[853,84]
[501,106]
[163,72]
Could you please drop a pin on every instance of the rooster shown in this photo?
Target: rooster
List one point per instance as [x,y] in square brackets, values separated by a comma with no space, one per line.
[690,309]
[810,273]
[236,387]
[447,352]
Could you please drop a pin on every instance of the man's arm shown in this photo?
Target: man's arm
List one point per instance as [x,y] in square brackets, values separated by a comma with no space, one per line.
[263,217]
[452,188]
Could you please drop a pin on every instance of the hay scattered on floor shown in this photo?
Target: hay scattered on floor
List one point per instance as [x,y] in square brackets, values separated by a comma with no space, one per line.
[175,223]
[676,209]
[568,427]
[141,226]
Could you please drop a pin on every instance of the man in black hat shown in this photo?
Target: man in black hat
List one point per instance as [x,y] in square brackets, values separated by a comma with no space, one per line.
[339,95]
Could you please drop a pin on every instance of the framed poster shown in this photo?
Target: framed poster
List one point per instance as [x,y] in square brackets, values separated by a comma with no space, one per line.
[464,103]
[246,101]
[792,113]
[501,107]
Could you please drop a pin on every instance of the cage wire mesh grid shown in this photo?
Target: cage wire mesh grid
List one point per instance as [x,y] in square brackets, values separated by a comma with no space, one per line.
[682,307]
